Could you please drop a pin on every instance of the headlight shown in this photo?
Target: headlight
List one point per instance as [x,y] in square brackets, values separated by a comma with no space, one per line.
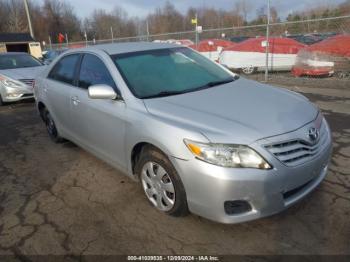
[227,155]
[10,83]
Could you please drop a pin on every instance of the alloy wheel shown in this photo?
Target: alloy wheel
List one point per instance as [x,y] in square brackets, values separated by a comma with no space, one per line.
[248,70]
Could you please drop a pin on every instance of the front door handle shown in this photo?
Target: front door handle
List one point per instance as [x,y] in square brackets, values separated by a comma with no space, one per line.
[75,100]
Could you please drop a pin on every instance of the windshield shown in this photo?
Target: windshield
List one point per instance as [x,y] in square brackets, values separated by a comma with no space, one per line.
[164,72]
[17,61]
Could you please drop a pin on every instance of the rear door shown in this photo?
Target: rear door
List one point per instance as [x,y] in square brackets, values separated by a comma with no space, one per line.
[99,124]
[56,89]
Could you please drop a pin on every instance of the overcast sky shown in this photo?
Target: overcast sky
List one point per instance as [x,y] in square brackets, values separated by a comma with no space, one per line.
[141,8]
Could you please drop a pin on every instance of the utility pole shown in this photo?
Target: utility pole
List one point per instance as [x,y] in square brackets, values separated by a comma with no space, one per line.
[147,29]
[29,20]
[112,35]
[196,24]
[86,40]
[67,40]
[267,41]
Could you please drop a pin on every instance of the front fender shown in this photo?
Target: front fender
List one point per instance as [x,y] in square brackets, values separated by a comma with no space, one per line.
[165,136]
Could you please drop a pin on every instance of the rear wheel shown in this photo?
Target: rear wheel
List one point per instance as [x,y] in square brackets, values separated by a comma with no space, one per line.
[51,127]
[161,183]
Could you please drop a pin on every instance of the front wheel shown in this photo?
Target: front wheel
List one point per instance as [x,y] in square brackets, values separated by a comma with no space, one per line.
[342,75]
[161,183]
[51,127]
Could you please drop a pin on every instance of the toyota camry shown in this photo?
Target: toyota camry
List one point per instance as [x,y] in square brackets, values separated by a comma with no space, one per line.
[196,136]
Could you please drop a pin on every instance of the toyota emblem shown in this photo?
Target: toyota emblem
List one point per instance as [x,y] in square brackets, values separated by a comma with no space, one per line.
[313,134]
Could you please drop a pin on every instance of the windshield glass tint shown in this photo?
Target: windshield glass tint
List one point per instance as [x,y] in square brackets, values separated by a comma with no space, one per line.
[17,61]
[174,70]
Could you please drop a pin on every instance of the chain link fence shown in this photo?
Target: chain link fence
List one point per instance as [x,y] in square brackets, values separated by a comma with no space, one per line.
[308,49]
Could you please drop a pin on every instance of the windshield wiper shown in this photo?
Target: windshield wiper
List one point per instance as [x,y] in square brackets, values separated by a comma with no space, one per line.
[216,83]
[164,93]
[207,85]
[220,82]
[29,66]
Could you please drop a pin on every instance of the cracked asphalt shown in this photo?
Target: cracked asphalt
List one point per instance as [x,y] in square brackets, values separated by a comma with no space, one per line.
[59,199]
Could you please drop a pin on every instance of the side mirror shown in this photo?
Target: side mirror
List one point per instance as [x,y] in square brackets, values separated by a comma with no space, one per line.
[101,92]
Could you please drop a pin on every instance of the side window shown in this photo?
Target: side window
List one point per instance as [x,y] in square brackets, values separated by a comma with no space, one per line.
[93,71]
[64,70]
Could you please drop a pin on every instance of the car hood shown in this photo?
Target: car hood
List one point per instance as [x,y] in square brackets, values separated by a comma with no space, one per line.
[23,73]
[242,111]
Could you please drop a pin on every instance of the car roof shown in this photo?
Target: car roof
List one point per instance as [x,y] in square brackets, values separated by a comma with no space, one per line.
[121,48]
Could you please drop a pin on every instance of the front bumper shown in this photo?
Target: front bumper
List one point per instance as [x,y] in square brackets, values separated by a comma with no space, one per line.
[268,192]
[312,71]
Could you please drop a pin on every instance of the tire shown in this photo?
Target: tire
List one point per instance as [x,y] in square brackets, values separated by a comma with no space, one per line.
[1,102]
[342,75]
[172,200]
[51,127]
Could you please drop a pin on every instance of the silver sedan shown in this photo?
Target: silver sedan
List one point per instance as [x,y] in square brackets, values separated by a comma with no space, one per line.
[17,73]
[196,136]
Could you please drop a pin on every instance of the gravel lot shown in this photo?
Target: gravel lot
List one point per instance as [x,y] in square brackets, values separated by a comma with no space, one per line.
[59,199]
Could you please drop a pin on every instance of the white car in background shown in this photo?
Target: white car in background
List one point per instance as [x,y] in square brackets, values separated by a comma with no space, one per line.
[17,74]
[326,58]
[249,56]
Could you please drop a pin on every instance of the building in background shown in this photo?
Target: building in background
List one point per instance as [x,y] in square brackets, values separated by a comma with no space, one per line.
[19,42]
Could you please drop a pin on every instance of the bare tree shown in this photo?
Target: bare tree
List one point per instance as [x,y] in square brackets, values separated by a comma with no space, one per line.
[243,7]
[261,15]
[274,18]
[3,16]
[59,17]
[51,17]
[15,16]
[99,24]
[166,19]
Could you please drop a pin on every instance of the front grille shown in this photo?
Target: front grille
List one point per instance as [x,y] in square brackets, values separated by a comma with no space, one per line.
[27,95]
[298,151]
[237,207]
[296,190]
[28,82]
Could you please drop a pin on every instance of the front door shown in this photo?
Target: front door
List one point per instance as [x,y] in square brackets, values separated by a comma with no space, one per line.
[98,124]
